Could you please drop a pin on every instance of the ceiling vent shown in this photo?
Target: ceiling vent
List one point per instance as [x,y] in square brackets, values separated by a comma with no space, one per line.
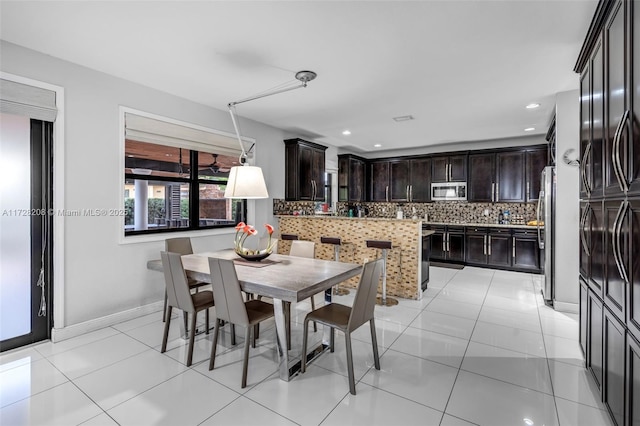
[403,118]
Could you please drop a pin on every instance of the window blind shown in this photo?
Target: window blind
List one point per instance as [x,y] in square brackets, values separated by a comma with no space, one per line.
[149,130]
[28,101]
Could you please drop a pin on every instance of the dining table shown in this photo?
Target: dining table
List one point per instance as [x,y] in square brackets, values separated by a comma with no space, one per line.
[283,278]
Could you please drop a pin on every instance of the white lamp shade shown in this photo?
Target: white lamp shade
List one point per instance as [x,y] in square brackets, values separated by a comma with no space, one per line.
[246,182]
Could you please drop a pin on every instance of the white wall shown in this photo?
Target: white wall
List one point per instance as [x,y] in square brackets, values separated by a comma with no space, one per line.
[103,277]
[567,202]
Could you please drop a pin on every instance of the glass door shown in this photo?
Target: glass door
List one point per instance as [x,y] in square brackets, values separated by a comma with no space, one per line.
[25,230]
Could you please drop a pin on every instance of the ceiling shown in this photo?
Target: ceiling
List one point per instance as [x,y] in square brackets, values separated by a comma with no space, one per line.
[463,69]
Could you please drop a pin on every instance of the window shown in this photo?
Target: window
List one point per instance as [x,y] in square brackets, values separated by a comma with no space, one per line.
[177,177]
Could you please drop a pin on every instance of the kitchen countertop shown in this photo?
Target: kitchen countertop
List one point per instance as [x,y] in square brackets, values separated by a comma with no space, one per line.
[480,225]
[468,224]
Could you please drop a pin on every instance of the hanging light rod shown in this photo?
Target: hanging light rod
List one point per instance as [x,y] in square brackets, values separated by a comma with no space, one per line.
[303,76]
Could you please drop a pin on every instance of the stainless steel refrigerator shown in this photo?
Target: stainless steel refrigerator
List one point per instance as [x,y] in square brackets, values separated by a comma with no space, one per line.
[546,229]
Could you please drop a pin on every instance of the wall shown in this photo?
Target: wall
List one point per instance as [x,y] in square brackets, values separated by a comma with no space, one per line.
[102,276]
[567,203]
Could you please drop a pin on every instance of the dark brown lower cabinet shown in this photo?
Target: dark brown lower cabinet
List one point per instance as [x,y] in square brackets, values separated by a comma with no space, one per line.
[584,303]
[594,339]
[438,248]
[616,257]
[499,248]
[526,253]
[455,244]
[633,293]
[614,366]
[633,382]
[476,246]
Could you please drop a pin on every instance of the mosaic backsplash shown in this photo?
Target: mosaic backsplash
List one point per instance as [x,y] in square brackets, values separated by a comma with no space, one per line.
[439,211]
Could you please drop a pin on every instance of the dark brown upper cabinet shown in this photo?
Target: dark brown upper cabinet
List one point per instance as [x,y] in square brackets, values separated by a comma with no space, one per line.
[449,168]
[304,170]
[510,176]
[420,190]
[482,172]
[351,181]
[536,161]
[379,177]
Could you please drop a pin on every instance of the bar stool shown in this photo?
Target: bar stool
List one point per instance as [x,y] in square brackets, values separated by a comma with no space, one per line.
[336,242]
[385,246]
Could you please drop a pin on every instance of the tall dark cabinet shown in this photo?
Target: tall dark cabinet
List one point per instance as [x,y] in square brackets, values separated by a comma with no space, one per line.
[351,178]
[609,68]
[304,170]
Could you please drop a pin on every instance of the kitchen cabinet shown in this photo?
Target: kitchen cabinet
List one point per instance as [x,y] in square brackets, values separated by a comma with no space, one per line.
[401,180]
[526,253]
[510,176]
[594,340]
[351,178]
[596,235]
[632,135]
[447,244]
[585,240]
[449,168]
[379,178]
[614,366]
[584,299]
[633,268]
[616,257]
[536,160]
[481,185]
[633,382]
[424,260]
[420,191]
[585,133]
[304,170]
[399,175]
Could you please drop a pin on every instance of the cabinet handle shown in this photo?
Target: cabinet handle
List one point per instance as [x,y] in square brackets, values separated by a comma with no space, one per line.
[410,192]
[448,242]
[617,163]
[484,251]
[489,245]
[386,193]
[497,191]
[313,188]
[514,247]
[444,242]
[407,192]
[583,168]
[450,174]
[493,192]
[526,197]
[617,249]
[446,172]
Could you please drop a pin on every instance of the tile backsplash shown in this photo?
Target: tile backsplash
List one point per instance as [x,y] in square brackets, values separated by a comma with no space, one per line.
[439,211]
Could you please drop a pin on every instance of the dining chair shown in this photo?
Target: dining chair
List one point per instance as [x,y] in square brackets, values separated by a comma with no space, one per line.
[348,319]
[181,245]
[179,296]
[303,248]
[231,307]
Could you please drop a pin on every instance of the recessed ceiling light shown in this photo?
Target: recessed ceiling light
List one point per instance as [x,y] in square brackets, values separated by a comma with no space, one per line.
[403,118]
[377,145]
[532,106]
[529,129]
[346,132]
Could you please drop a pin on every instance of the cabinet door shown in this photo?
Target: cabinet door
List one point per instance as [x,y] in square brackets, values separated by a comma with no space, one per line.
[596,158]
[343,178]
[594,359]
[438,251]
[476,247]
[455,244]
[536,161]
[356,181]
[458,168]
[305,173]
[380,181]
[617,274]
[420,180]
[617,152]
[597,229]
[440,169]
[317,175]
[633,382]
[526,254]
[633,307]
[510,176]
[399,180]
[585,240]
[499,247]
[584,294]
[585,133]
[481,185]
[614,368]
[634,92]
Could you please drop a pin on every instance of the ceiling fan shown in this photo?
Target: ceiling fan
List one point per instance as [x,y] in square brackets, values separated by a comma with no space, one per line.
[215,167]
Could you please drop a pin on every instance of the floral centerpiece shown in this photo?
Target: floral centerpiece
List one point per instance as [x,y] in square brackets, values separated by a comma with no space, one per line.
[243,231]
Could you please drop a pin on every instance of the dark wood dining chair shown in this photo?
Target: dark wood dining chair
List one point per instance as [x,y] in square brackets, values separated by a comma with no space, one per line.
[179,296]
[348,319]
[232,308]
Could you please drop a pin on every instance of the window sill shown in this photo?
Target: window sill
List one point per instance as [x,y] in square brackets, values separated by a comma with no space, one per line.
[147,238]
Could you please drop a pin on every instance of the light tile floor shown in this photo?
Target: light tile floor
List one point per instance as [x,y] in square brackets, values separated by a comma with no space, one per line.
[479,348]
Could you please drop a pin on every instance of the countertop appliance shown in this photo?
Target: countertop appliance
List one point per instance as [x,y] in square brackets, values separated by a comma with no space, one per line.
[545,214]
[448,191]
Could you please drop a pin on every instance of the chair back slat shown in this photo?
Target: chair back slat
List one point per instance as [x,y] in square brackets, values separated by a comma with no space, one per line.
[302,248]
[175,278]
[226,292]
[365,300]
[180,245]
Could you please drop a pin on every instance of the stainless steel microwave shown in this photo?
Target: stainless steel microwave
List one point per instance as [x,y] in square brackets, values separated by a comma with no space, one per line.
[449,191]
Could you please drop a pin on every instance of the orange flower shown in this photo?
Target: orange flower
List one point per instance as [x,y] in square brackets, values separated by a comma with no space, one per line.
[269,228]
[240,225]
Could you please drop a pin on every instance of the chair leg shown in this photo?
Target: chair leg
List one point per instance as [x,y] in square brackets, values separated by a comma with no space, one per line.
[206,315]
[192,338]
[256,331]
[245,362]
[212,359]
[352,381]
[185,317]
[374,342]
[164,308]
[165,336]
[287,315]
[313,308]
[305,334]
[233,334]
[253,336]
[332,339]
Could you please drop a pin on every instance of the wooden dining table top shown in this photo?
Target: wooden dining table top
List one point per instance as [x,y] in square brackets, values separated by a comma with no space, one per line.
[288,278]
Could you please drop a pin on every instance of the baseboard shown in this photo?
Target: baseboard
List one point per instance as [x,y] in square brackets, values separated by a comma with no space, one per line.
[60,334]
[570,308]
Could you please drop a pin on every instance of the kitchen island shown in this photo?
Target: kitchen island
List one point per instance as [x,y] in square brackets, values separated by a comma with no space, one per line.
[404,261]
